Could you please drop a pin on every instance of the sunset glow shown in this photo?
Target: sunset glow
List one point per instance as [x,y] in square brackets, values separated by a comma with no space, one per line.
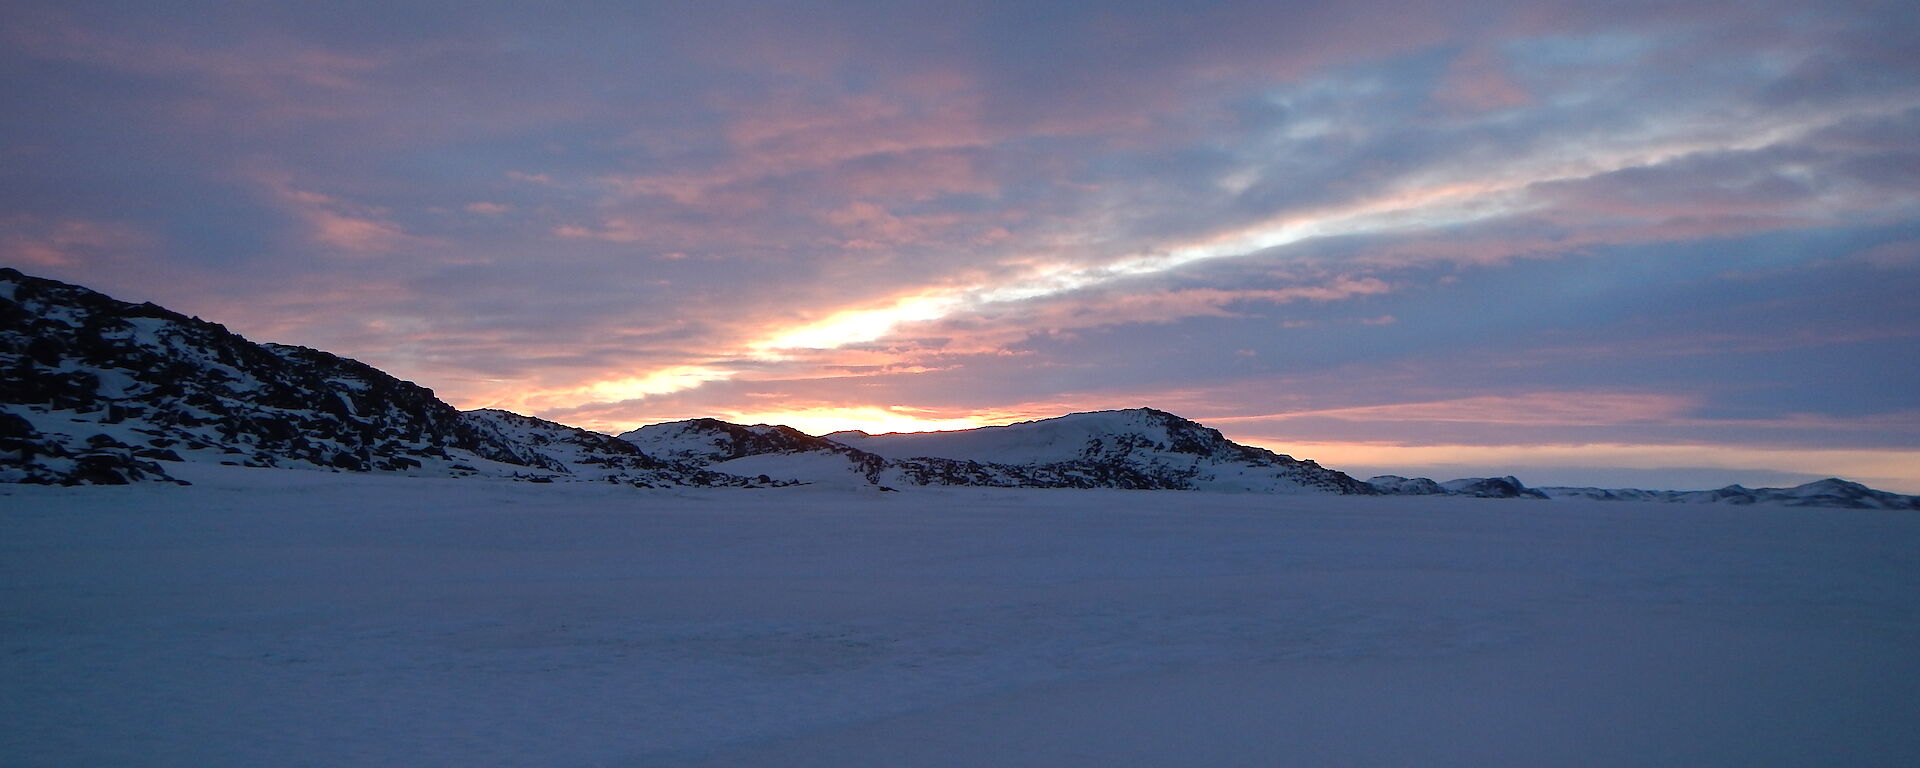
[1414,235]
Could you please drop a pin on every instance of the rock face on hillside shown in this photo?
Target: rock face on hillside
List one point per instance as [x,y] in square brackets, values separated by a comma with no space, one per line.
[104,391]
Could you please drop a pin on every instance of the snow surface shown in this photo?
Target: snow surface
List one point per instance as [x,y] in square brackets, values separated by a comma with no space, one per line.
[279,617]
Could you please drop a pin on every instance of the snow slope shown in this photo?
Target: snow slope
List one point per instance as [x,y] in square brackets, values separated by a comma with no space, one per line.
[1136,448]
[280,617]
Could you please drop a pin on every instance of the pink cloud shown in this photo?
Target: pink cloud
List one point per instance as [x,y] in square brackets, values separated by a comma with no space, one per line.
[68,242]
[334,222]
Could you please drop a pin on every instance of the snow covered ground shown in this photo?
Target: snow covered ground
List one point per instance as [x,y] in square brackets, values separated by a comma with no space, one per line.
[283,617]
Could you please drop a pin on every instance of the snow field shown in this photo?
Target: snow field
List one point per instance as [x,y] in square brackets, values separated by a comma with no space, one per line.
[279,617]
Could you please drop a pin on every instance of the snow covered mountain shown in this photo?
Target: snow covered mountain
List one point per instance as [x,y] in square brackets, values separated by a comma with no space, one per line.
[579,454]
[768,452]
[775,453]
[104,391]
[1135,449]
[1831,492]
[1396,485]
[1508,487]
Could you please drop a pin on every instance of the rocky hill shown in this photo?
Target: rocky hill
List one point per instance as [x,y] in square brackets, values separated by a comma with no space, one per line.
[1139,448]
[1508,487]
[105,391]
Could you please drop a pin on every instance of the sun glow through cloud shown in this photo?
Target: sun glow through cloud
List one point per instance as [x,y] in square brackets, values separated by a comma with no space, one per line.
[1448,203]
[1364,224]
[1501,191]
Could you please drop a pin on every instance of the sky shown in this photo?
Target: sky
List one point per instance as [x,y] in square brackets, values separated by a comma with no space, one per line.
[1669,245]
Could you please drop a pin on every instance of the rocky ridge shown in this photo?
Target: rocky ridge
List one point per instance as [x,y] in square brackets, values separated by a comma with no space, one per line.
[105,391]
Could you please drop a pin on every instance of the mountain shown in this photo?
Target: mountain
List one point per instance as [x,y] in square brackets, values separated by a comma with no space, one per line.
[772,452]
[1508,487]
[105,391]
[1136,448]
[1396,485]
[580,454]
[1831,492]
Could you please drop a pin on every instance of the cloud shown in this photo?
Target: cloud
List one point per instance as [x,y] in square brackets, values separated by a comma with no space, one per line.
[334,223]
[1533,408]
[33,241]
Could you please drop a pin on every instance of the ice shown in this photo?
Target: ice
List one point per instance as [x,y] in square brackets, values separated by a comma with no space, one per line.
[278,617]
